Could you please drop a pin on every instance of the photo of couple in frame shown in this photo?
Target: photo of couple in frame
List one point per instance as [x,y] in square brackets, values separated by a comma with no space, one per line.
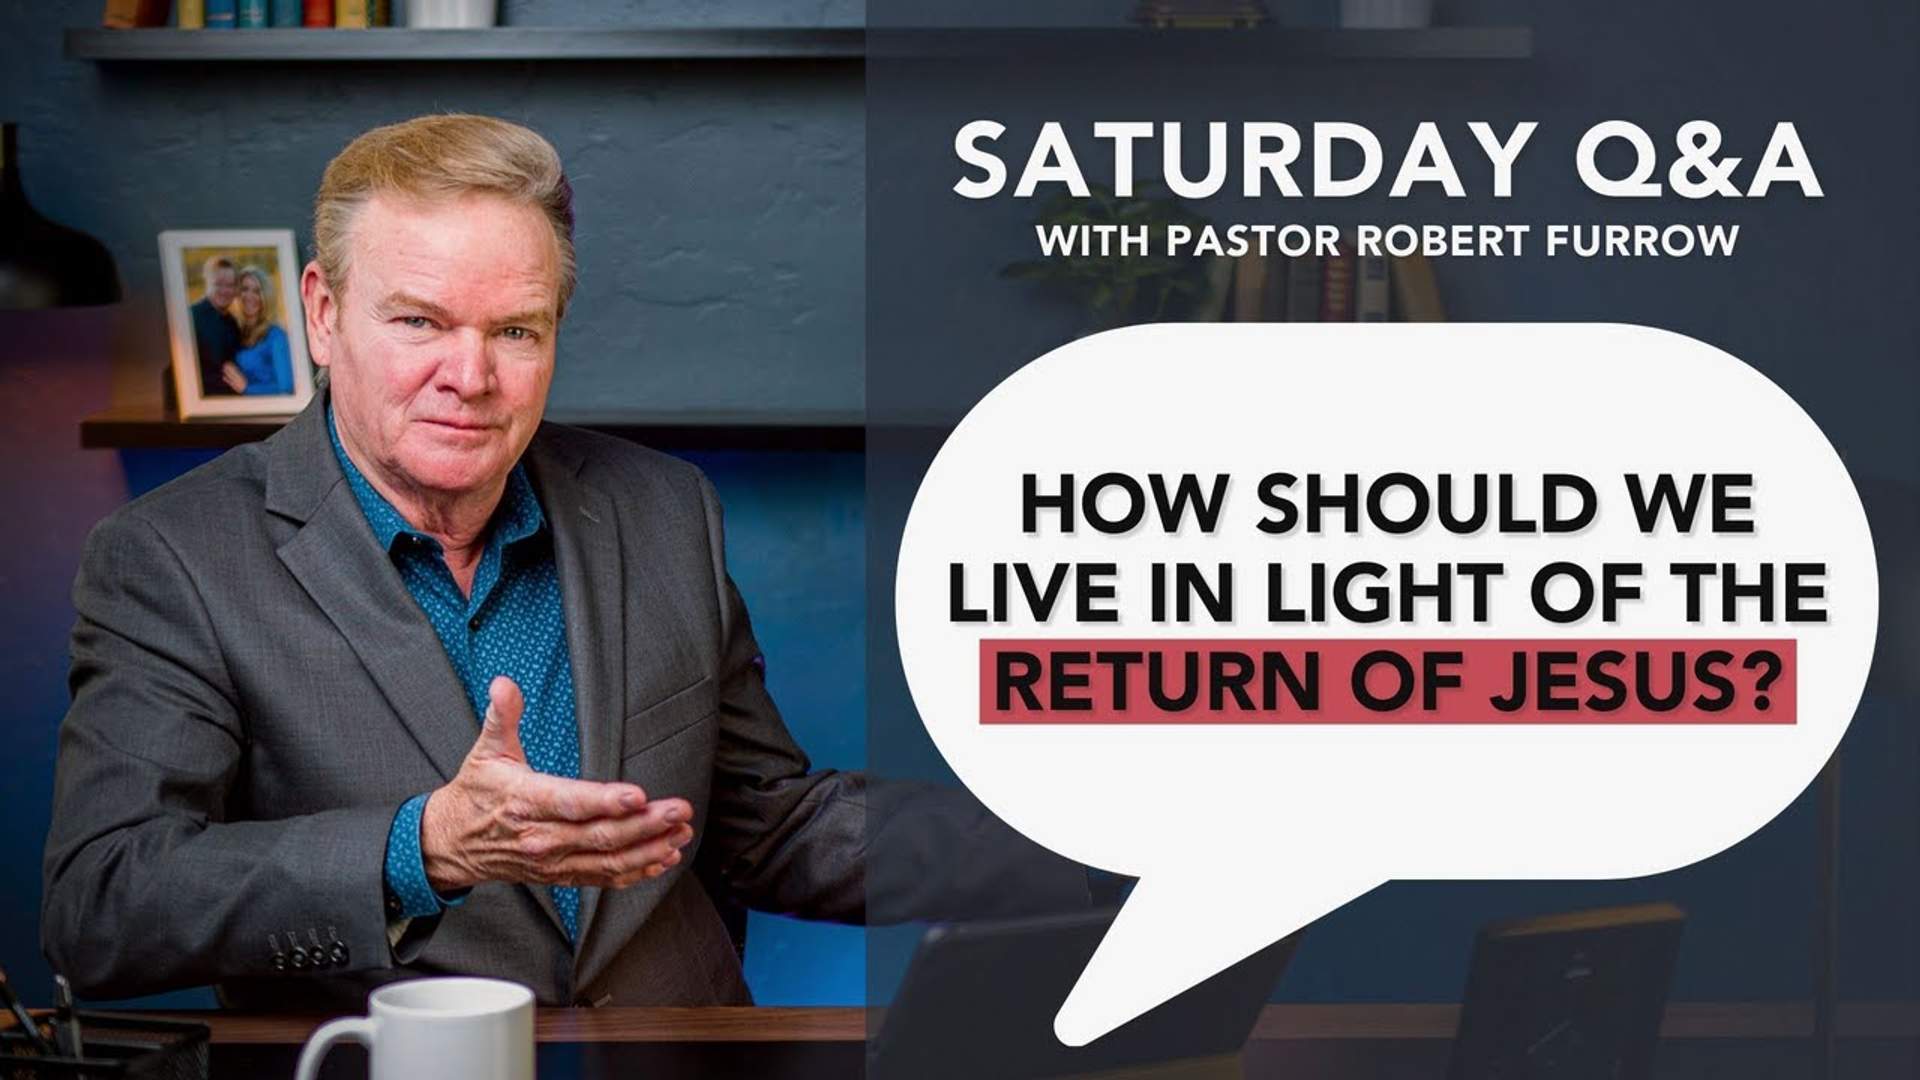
[234,318]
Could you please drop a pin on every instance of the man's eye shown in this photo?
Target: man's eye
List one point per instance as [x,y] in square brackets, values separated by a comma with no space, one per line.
[415,322]
[518,333]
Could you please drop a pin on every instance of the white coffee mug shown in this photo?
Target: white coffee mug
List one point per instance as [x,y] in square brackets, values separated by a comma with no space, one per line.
[473,1029]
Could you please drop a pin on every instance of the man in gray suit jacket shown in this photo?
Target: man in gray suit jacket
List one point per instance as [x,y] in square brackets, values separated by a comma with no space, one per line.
[424,685]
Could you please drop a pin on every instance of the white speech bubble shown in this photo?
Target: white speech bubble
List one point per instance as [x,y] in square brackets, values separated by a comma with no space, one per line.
[1242,834]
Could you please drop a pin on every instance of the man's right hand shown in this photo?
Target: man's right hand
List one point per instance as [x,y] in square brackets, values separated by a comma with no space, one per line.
[499,820]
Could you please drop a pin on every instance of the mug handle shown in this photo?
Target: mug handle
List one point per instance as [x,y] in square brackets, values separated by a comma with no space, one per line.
[358,1029]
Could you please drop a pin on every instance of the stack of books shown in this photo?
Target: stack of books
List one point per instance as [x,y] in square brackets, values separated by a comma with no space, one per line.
[1343,287]
[1201,14]
[248,14]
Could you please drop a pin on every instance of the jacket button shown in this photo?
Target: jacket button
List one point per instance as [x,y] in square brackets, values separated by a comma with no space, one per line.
[338,953]
[279,961]
[297,958]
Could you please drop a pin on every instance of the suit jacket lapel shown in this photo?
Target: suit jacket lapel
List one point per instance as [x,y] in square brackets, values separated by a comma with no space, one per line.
[340,565]
[626,591]
[586,548]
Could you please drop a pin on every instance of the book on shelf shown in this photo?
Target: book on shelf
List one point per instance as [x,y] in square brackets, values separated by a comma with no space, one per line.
[1303,289]
[1337,284]
[250,14]
[1346,287]
[1273,299]
[350,14]
[1416,293]
[1371,300]
[316,14]
[221,14]
[283,13]
[1261,286]
[1249,287]
[190,14]
[130,14]
[1213,302]
[1200,14]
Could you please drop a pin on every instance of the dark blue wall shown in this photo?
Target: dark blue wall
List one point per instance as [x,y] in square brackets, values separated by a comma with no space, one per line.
[720,241]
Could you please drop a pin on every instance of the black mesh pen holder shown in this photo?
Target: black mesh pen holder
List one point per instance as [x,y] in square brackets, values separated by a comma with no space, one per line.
[116,1045]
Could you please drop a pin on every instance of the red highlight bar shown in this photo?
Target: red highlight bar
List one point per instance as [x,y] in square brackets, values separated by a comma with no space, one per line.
[1388,681]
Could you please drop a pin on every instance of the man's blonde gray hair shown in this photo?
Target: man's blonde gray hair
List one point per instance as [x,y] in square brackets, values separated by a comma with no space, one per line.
[442,157]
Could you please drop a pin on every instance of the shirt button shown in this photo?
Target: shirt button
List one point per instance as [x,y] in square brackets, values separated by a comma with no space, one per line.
[473,623]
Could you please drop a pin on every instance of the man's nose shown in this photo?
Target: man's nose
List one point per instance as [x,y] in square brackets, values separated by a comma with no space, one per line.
[467,367]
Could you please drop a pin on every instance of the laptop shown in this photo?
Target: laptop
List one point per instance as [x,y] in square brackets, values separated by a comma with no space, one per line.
[979,998]
[1577,996]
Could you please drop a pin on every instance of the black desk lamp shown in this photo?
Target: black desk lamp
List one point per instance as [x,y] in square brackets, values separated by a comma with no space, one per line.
[44,264]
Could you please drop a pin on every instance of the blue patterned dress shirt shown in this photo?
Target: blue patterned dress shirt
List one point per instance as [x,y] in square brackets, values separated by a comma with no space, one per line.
[511,624]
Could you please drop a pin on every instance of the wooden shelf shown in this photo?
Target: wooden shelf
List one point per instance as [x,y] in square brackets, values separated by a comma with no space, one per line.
[631,1024]
[1263,45]
[589,43]
[498,43]
[146,428]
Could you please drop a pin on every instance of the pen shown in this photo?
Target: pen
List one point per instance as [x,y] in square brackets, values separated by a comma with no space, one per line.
[27,1026]
[67,1019]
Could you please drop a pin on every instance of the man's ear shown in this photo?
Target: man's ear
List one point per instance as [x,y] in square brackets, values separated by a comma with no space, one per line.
[322,310]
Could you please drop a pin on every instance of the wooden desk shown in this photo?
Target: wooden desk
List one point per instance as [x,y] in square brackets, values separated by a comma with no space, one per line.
[648,1025]
[595,1044]
[1755,1041]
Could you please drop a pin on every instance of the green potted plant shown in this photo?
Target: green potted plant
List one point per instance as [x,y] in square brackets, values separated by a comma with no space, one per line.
[1114,289]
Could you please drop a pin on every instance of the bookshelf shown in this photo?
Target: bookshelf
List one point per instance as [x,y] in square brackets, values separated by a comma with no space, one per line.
[588,43]
[499,43]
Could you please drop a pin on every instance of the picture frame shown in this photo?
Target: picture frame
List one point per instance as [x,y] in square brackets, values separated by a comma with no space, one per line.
[240,344]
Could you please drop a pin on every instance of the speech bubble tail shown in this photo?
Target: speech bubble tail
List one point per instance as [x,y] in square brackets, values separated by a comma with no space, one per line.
[1177,930]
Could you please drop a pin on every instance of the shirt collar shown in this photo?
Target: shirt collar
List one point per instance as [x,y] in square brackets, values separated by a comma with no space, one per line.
[517,517]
